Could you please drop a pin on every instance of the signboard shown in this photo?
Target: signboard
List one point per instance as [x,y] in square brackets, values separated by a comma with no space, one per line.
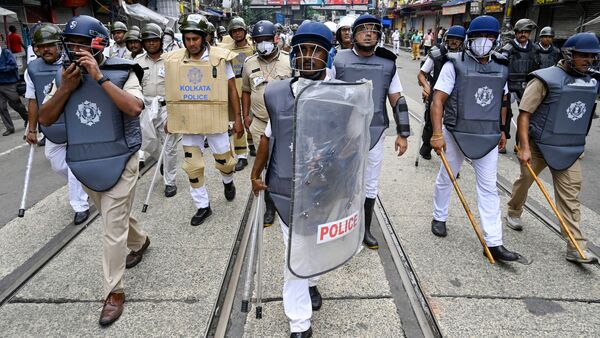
[494,8]
[293,2]
[452,10]
[547,2]
[275,2]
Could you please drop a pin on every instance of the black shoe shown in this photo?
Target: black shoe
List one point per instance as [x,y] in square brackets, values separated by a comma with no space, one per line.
[502,151]
[252,150]
[201,215]
[42,142]
[315,298]
[502,254]
[8,132]
[229,191]
[81,216]
[369,240]
[242,163]
[141,164]
[304,334]
[425,152]
[438,228]
[170,190]
[269,218]
[205,143]
[162,172]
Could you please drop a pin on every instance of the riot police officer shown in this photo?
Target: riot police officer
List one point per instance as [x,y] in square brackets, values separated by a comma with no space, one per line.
[429,73]
[366,61]
[169,42]
[469,94]
[133,42]
[153,87]
[521,56]
[39,76]
[119,48]
[310,45]
[237,31]
[206,68]
[221,32]
[547,54]
[343,34]
[101,109]
[210,36]
[268,64]
[555,117]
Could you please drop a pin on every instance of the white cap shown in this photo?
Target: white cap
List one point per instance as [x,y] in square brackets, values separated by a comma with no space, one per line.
[346,21]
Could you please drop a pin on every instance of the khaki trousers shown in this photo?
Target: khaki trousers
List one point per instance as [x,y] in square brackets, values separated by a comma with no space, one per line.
[121,230]
[567,186]
[416,51]
[257,129]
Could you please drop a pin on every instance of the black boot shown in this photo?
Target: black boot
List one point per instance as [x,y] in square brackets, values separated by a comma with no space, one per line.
[229,191]
[269,212]
[369,241]
[438,228]
[502,254]
[252,150]
[315,298]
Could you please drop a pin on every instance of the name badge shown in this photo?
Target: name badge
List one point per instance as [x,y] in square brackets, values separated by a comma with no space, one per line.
[257,81]
[161,71]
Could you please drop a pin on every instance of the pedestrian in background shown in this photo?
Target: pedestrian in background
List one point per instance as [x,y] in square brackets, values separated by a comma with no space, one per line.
[9,76]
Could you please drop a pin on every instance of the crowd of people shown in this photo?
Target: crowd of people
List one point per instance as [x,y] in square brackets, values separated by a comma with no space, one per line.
[104,98]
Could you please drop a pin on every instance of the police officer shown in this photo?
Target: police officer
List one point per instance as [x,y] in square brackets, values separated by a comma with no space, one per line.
[119,48]
[169,41]
[209,64]
[343,34]
[468,93]
[101,109]
[210,37]
[268,64]
[366,61]
[38,77]
[547,54]
[429,73]
[521,56]
[310,45]
[555,117]
[153,87]
[221,33]
[237,31]
[133,42]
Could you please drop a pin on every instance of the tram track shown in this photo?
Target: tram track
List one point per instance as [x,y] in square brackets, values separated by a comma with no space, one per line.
[19,277]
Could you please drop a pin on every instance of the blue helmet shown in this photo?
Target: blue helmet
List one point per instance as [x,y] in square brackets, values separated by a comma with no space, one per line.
[484,24]
[313,31]
[364,19]
[88,27]
[263,28]
[583,43]
[456,32]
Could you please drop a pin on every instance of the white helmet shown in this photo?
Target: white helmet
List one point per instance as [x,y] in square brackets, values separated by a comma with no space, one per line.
[332,26]
[346,21]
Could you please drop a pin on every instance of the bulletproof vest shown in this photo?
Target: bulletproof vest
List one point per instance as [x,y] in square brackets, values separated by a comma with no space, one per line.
[100,138]
[279,100]
[439,58]
[522,62]
[560,124]
[350,67]
[42,75]
[238,63]
[473,109]
[547,58]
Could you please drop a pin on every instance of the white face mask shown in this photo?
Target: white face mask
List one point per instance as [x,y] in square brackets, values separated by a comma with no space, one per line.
[481,46]
[265,47]
[167,39]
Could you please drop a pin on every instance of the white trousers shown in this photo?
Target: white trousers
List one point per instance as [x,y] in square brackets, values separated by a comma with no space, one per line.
[488,201]
[373,170]
[396,46]
[218,144]
[296,298]
[57,155]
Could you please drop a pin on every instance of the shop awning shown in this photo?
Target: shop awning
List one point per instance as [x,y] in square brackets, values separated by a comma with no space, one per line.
[592,22]
[8,13]
[455,3]
[144,14]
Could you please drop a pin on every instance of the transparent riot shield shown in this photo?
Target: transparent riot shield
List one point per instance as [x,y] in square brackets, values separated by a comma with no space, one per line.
[329,149]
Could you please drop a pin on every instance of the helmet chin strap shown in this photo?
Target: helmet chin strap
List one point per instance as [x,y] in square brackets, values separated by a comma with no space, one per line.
[315,76]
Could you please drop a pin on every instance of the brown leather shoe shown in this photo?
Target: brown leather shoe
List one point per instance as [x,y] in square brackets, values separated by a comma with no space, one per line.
[112,309]
[134,257]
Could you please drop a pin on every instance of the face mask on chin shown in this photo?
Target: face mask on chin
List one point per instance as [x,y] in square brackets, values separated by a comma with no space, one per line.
[265,47]
[481,46]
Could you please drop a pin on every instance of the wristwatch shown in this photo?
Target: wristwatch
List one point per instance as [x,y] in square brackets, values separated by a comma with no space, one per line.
[102,80]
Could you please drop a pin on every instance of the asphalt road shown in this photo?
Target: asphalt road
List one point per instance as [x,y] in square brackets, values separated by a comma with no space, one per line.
[13,159]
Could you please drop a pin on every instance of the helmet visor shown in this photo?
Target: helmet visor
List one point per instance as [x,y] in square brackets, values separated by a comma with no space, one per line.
[308,58]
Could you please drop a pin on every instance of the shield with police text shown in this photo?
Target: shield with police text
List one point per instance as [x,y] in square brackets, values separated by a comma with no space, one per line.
[329,150]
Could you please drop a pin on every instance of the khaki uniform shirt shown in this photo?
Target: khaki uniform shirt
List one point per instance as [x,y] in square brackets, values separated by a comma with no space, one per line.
[255,76]
[153,82]
[535,93]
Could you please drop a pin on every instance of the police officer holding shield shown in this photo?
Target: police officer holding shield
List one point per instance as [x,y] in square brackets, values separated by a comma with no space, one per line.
[469,94]
[267,65]
[200,77]
[555,116]
[429,73]
[100,100]
[366,61]
[38,77]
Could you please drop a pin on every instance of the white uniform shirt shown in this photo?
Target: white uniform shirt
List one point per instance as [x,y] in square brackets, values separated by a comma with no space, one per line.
[447,78]
[427,66]
[396,36]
